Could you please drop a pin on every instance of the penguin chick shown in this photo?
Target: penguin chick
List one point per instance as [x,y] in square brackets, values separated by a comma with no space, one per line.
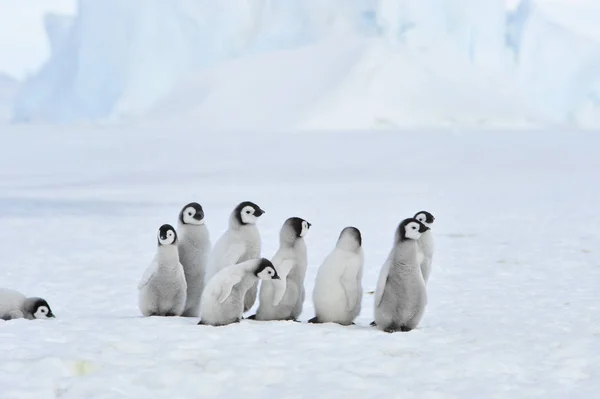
[14,305]
[337,295]
[426,243]
[241,242]
[283,299]
[194,248]
[223,297]
[401,296]
[162,289]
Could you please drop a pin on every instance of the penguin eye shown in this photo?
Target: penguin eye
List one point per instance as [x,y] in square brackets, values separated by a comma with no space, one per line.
[248,212]
[190,214]
[43,310]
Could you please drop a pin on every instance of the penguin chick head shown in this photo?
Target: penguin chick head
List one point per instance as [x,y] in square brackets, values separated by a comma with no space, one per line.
[192,214]
[41,309]
[411,229]
[425,217]
[265,270]
[247,213]
[294,228]
[166,235]
[350,239]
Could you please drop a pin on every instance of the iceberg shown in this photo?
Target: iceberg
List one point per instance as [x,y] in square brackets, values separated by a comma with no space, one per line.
[361,63]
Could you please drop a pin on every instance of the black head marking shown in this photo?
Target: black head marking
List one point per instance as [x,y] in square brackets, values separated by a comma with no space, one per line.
[354,232]
[238,210]
[263,264]
[404,223]
[39,302]
[198,211]
[296,223]
[428,216]
[163,230]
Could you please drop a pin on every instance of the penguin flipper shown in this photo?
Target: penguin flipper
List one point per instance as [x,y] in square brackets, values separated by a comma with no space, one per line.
[349,282]
[381,281]
[227,286]
[148,273]
[283,269]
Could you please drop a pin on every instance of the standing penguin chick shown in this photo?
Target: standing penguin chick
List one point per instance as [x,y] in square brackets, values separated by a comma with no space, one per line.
[14,305]
[337,295]
[162,289]
[194,249]
[223,297]
[241,242]
[283,299]
[400,296]
[426,243]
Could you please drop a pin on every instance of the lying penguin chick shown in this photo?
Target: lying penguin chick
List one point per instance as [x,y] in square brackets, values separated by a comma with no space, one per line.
[401,296]
[426,243]
[194,249]
[337,295]
[283,299]
[241,242]
[222,301]
[162,289]
[14,305]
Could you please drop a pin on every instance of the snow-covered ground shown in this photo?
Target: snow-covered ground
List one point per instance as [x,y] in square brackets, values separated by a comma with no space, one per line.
[514,304]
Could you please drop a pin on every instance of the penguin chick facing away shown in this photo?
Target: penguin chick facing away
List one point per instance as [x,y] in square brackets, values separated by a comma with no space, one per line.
[400,296]
[194,248]
[283,299]
[162,289]
[241,242]
[337,295]
[426,243]
[14,305]
[223,297]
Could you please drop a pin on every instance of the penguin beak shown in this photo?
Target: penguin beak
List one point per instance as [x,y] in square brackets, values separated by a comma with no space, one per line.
[51,315]
[199,216]
[259,212]
[276,277]
[309,224]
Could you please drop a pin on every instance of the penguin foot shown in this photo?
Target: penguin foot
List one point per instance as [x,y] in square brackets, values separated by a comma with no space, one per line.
[389,330]
[314,320]
[291,318]
[170,314]
[373,324]
[405,329]
[253,317]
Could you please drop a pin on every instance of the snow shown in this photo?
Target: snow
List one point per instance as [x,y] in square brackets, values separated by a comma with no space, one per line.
[426,64]
[513,296]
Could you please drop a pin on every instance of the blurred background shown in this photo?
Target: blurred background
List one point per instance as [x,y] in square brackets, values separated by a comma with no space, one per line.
[302,64]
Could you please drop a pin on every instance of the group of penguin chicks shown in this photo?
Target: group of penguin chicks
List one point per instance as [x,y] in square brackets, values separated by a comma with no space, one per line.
[188,277]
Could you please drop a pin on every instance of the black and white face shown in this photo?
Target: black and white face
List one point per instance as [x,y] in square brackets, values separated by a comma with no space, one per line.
[249,212]
[299,225]
[425,217]
[268,273]
[266,270]
[192,214]
[305,227]
[412,229]
[43,311]
[166,235]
